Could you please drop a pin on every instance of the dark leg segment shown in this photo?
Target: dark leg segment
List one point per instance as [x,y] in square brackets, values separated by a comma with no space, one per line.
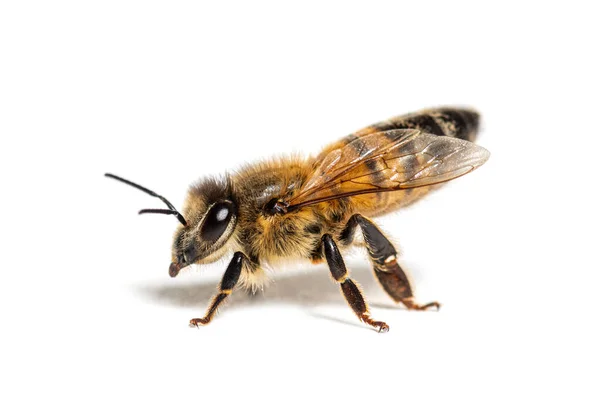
[349,288]
[230,278]
[384,256]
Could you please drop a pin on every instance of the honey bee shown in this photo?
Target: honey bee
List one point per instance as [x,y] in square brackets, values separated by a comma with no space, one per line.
[309,209]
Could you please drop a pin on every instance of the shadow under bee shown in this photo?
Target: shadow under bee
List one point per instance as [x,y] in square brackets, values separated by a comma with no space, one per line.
[310,289]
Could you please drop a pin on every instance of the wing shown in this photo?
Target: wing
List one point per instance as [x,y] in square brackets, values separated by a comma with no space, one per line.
[387,161]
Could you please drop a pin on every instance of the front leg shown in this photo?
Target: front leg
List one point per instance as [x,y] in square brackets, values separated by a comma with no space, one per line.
[230,278]
[349,288]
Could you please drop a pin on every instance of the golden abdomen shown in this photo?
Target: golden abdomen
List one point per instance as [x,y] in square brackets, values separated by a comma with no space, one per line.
[377,204]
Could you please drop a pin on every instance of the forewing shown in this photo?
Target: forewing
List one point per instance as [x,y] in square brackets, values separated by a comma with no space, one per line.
[342,161]
[387,161]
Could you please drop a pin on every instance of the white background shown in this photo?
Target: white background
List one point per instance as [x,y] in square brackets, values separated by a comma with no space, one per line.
[166,92]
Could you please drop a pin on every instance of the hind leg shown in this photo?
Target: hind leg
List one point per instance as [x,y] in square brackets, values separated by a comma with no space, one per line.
[385,265]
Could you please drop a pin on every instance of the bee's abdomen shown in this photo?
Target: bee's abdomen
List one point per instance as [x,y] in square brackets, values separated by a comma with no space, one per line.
[453,122]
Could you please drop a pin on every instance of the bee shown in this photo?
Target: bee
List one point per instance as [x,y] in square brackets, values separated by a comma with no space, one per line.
[310,209]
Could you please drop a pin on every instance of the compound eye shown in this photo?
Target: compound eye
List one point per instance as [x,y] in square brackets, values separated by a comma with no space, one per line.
[216,221]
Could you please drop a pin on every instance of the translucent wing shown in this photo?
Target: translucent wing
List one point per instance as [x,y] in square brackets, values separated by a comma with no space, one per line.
[388,161]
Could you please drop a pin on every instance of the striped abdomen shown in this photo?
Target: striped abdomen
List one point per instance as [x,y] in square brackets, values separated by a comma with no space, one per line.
[452,122]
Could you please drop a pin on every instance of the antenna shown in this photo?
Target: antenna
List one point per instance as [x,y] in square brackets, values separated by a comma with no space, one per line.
[170,211]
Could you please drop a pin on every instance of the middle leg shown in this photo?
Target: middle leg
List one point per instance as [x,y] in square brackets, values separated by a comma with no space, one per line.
[349,288]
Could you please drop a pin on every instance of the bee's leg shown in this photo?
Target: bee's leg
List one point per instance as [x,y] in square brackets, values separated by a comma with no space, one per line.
[349,288]
[385,264]
[230,278]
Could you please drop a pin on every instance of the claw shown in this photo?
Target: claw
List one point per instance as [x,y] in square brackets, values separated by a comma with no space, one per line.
[435,305]
[410,305]
[196,322]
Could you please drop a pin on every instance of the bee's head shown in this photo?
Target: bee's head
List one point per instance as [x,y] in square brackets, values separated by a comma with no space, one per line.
[207,223]
[210,212]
